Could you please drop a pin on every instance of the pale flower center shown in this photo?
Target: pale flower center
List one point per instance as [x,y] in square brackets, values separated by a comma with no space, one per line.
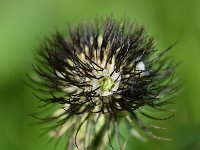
[106,84]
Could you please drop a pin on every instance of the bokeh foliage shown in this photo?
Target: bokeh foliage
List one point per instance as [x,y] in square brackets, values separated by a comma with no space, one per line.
[25,23]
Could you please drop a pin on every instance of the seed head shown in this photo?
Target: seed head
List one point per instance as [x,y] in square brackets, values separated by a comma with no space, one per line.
[98,76]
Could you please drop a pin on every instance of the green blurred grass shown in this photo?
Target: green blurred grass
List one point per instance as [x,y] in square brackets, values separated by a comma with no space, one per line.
[24,24]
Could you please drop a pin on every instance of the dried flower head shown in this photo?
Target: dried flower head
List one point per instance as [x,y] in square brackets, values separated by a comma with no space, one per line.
[98,76]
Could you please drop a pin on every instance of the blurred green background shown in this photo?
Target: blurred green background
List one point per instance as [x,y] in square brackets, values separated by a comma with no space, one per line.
[24,24]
